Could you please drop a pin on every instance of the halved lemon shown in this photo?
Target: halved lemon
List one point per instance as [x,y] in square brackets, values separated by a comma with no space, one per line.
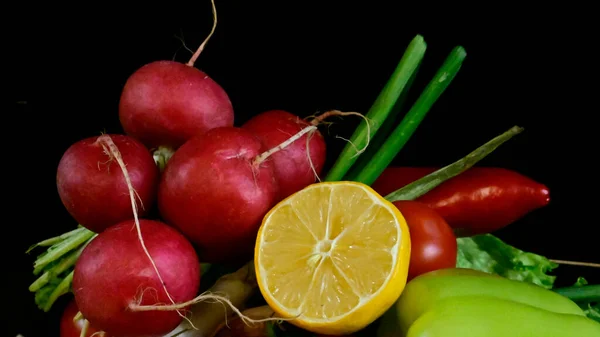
[332,257]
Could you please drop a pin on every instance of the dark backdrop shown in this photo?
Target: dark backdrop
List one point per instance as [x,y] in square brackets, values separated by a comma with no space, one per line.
[523,67]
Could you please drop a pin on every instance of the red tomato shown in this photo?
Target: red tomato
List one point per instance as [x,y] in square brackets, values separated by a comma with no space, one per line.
[71,328]
[433,243]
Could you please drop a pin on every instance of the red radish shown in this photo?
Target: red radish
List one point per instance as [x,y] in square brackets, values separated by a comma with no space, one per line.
[92,187]
[164,103]
[216,194]
[298,165]
[73,326]
[113,275]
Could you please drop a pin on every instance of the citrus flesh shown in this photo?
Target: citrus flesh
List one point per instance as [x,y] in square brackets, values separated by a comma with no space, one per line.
[332,257]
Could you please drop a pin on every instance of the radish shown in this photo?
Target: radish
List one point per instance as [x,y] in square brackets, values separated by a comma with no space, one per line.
[216,189]
[113,276]
[164,103]
[213,192]
[92,187]
[299,164]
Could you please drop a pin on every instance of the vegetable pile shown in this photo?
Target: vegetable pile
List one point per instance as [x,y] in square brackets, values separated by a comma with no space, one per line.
[191,225]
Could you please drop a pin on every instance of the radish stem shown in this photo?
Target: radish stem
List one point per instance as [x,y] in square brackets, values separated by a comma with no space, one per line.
[396,141]
[56,239]
[67,262]
[380,109]
[161,156]
[61,248]
[432,180]
[60,258]
[62,288]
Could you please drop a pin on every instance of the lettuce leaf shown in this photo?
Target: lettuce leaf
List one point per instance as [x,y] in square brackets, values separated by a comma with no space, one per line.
[489,254]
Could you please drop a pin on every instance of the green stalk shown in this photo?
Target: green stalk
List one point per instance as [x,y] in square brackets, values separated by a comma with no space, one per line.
[56,265]
[586,293]
[63,287]
[380,109]
[384,131]
[61,266]
[56,239]
[432,180]
[161,156]
[61,248]
[394,143]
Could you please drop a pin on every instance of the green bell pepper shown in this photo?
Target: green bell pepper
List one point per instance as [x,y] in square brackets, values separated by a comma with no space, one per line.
[426,292]
[477,315]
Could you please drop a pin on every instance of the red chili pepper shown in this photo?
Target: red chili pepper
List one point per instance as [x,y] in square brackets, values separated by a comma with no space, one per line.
[479,200]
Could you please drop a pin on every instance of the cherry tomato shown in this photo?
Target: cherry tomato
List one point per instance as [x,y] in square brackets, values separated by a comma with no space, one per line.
[433,243]
[71,328]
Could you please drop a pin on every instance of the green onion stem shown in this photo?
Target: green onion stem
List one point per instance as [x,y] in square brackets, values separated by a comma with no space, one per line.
[384,131]
[380,109]
[396,141]
[586,293]
[427,183]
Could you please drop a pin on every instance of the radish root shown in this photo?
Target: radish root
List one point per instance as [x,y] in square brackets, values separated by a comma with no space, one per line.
[254,313]
[319,120]
[263,156]
[84,328]
[201,48]
[111,149]
[310,163]
[207,297]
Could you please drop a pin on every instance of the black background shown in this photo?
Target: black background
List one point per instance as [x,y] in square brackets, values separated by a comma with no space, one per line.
[527,67]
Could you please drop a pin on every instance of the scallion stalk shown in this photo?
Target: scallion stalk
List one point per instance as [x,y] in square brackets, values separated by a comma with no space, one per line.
[380,109]
[396,141]
[384,131]
[427,183]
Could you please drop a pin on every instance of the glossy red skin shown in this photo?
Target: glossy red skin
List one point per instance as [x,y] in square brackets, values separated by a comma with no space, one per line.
[113,272]
[93,189]
[166,103]
[216,196]
[71,328]
[480,200]
[433,243]
[292,165]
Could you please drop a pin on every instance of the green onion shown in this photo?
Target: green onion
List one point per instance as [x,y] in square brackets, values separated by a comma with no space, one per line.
[396,141]
[383,133]
[587,293]
[427,183]
[380,109]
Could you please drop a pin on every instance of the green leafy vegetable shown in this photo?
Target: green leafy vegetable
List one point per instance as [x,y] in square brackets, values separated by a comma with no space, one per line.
[490,254]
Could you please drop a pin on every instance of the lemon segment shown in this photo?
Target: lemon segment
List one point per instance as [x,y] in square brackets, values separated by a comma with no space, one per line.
[333,257]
